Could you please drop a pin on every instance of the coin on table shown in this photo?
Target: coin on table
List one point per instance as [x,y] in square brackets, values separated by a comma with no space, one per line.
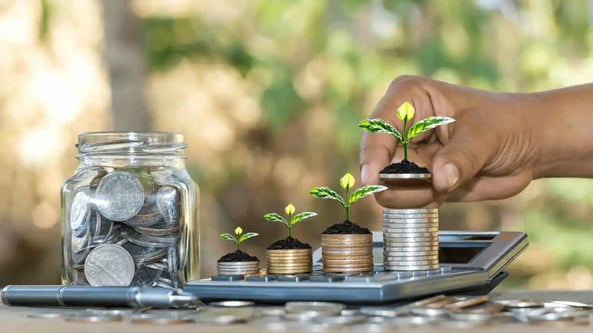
[161,318]
[119,196]
[315,308]
[232,304]
[85,317]
[109,265]
[225,316]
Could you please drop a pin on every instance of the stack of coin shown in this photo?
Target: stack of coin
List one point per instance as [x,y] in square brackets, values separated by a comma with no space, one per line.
[238,267]
[289,261]
[411,239]
[347,253]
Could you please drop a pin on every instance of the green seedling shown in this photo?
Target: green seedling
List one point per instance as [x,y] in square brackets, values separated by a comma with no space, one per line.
[346,182]
[291,219]
[239,237]
[405,113]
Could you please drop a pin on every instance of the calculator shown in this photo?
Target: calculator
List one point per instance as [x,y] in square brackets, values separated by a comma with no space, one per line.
[471,262]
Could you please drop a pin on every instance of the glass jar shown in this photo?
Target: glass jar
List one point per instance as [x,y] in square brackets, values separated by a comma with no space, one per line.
[130,212]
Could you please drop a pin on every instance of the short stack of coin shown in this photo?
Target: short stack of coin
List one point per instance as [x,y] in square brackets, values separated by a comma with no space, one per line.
[289,261]
[238,267]
[347,253]
[411,239]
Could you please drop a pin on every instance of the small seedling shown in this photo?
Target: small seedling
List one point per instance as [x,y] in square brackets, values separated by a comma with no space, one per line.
[405,113]
[291,219]
[346,182]
[239,237]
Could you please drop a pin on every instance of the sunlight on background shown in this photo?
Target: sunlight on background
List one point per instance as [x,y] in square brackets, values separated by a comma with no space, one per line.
[268,95]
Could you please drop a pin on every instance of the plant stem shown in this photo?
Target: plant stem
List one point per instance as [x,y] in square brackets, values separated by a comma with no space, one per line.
[289,231]
[405,140]
[348,212]
[238,246]
[347,205]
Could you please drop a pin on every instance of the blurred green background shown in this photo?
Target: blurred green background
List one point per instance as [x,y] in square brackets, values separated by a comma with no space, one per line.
[268,94]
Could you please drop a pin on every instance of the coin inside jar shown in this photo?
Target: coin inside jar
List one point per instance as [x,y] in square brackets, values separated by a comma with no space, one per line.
[167,201]
[109,265]
[119,196]
[80,212]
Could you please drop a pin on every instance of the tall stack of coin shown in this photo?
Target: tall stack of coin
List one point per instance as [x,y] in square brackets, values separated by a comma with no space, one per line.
[347,253]
[238,267]
[289,261]
[411,239]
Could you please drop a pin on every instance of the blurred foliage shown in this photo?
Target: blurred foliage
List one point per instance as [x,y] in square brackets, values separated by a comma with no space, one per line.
[268,94]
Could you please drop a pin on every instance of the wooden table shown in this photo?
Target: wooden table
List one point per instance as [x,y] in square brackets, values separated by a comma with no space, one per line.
[15,319]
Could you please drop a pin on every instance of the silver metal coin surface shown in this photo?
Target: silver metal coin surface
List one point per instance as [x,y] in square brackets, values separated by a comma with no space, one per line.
[80,212]
[405,176]
[232,304]
[119,196]
[109,265]
[83,317]
[167,201]
[314,308]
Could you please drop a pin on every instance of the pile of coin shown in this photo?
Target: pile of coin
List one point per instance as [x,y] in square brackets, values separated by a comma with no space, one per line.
[347,253]
[238,267]
[125,228]
[411,239]
[289,261]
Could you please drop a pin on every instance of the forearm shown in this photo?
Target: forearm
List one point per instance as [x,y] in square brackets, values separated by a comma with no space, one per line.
[562,130]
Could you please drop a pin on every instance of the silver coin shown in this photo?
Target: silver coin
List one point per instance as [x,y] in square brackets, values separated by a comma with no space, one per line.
[386,312]
[152,241]
[109,265]
[411,249]
[80,212]
[519,303]
[119,196]
[161,318]
[146,217]
[146,276]
[159,229]
[341,320]
[45,315]
[434,229]
[167,201]
[232,304]
[412,210]
[314,308]
[225,316]
[145,255]
[423,235]
[82,317]
[405,176]
[271,311]
[409,222]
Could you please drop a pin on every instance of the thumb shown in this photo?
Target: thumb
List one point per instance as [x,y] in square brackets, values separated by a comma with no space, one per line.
[458,161]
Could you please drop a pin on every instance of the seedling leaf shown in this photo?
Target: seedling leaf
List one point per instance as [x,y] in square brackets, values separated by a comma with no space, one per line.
[275,217]
[238,231]
[347,181]
[365,191]
[406,111]
[327,193]
[228,237]
[301,216]
[246,236]
[379,126]
[289,209]
[427,124]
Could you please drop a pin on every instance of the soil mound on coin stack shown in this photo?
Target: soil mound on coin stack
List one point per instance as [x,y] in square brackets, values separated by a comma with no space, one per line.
[346,227]
[288,243]
[404,166]
[237,256]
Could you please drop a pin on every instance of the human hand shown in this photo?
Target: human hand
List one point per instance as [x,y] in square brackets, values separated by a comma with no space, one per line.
[486,154]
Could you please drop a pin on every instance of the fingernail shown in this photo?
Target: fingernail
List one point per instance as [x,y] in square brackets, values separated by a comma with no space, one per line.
[364,175]
[451,175]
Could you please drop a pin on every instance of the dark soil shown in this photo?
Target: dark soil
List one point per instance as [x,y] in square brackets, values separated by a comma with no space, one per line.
[288,243]
[346,228]
[236,257]
[404,166]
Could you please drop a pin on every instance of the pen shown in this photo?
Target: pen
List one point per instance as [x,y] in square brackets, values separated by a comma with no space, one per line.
[56,295]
